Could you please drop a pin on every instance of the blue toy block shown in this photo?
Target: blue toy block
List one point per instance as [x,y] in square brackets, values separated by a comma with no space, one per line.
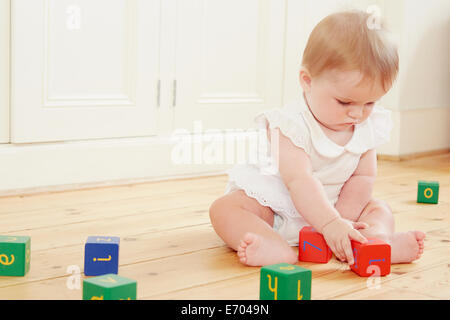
[101,255]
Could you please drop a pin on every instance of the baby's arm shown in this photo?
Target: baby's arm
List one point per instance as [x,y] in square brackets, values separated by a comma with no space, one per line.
[357,191]
[306,190]
[310,200]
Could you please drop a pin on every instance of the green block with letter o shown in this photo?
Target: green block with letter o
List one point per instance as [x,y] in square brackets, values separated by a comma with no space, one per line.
[428,192]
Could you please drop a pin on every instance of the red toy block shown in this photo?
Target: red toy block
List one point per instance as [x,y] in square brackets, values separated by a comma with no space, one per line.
[373,257]
[312,246]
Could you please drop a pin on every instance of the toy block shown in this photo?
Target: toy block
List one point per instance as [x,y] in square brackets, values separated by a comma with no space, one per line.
[373,257]
[312,246]
[109,287]
[15,255]
[101,255]
[427,191]
[285,281]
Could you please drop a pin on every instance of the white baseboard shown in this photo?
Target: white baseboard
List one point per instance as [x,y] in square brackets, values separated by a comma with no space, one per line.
[418,131]
[45,167]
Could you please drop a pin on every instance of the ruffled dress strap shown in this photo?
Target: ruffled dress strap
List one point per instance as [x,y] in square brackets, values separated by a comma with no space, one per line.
[291,122]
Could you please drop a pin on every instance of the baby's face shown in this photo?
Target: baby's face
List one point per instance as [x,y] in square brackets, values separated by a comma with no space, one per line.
[338,102]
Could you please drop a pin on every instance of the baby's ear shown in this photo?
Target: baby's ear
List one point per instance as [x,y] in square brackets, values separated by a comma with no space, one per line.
[305,79]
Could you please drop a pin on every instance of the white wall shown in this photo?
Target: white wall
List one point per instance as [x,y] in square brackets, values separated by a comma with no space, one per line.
[425,77]
[4,71]
[420,99]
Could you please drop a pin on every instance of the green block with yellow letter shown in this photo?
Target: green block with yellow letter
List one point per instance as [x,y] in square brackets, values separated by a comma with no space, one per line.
[428,192]
[14,255]
[109,287]
[285,281]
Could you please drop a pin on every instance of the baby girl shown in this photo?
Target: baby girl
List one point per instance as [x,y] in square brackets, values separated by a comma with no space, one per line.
[326,161]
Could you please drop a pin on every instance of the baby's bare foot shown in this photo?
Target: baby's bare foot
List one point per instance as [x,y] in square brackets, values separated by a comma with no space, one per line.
[407,246]
[255,250]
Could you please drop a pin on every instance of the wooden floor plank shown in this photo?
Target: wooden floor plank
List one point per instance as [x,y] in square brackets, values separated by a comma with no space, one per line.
[169,246]
[135,248]
[96,214]
[434,282]
[76,233]
[107,195]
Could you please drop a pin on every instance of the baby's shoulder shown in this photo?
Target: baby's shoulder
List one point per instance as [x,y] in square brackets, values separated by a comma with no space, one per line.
[291,123]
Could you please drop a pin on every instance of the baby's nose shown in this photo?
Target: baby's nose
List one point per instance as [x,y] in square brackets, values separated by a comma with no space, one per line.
[355,112]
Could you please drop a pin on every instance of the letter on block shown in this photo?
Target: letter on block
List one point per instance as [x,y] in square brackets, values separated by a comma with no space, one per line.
[101,255]
[312,246]
[14,255]
[109,287]
[373,254]
[285,281]
[427,192]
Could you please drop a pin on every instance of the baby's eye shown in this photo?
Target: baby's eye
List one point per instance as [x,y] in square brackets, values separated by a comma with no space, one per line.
[342,102]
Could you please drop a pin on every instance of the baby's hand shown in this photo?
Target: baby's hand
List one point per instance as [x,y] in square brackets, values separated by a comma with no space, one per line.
[357,225]
[338,233]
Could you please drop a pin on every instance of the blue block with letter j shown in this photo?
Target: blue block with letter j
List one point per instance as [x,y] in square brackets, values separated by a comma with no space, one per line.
[101,255]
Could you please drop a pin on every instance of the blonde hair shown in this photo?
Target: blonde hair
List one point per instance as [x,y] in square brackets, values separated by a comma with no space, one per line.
[344,41]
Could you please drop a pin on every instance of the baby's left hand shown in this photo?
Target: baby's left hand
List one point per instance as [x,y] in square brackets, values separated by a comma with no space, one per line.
[358,226]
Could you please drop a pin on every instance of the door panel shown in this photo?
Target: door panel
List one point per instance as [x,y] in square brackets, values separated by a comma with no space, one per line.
[229,61]
[84,69]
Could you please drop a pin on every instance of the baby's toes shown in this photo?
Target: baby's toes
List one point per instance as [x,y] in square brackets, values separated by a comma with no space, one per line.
[249,238]
[243,244]
[419,254]
[242,256]
[421,246]
[420,236]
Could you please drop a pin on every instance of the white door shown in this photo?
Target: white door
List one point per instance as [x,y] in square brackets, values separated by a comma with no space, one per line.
[228,61]
[4,73]
[84,69]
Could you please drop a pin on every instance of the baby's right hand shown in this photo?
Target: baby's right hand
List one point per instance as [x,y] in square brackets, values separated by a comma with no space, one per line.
[337,234]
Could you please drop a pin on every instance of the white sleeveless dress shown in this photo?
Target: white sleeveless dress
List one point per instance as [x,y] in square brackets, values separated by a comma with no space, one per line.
[332,164]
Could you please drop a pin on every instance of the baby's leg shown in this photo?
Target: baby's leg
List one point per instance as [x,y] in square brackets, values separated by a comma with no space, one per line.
[246,226]
[405,246]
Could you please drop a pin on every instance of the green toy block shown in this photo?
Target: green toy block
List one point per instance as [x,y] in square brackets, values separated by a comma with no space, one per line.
[428,192]
[14,255]
[285,281]
[109,287]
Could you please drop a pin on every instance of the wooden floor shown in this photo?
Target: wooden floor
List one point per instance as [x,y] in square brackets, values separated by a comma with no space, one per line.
[170,248]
